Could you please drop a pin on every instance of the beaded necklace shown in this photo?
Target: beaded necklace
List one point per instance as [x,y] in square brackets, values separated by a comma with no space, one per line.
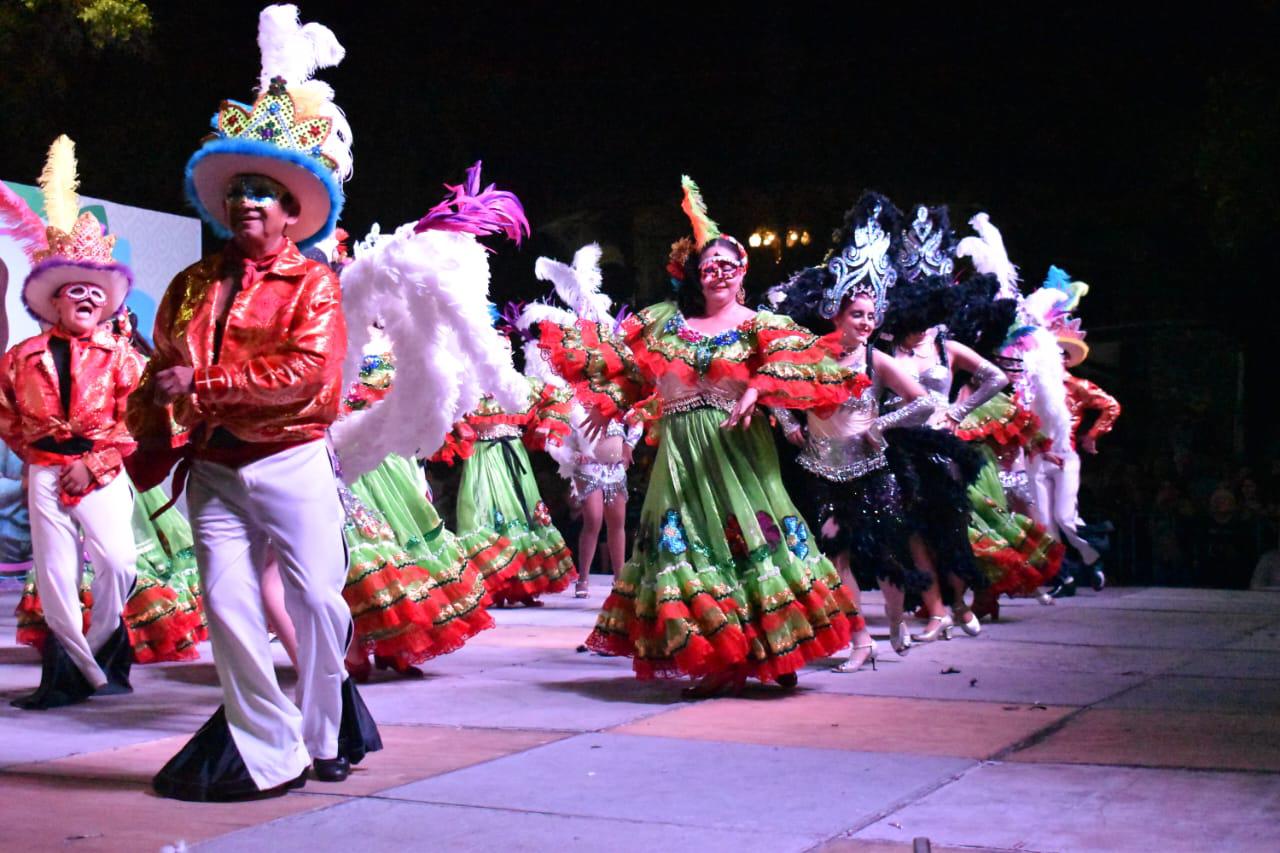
[704,347]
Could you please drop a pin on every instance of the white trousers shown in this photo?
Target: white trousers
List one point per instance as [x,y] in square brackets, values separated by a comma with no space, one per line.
[1057,491]
[105,516]
[290,500]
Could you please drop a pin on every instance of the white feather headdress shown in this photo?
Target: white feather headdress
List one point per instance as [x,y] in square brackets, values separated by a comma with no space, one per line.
[989,255]
[578,285]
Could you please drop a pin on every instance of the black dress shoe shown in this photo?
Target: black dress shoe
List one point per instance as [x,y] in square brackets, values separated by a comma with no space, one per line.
[788,681]
[1063,587]
[330,769]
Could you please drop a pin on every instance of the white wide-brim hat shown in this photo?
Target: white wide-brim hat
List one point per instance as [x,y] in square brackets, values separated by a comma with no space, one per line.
[49,276]
[310,182]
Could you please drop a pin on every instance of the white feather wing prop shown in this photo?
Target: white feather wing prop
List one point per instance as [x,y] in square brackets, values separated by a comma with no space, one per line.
[429,291]
[989,255]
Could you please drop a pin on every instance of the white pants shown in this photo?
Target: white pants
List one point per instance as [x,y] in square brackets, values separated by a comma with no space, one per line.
[1057,491]
[289,499]
[105,516]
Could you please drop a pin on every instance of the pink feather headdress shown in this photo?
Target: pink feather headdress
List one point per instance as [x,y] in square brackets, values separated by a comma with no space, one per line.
[473,210]
[20,223]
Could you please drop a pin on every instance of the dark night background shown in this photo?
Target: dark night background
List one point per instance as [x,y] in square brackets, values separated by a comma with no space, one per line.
[1133,146]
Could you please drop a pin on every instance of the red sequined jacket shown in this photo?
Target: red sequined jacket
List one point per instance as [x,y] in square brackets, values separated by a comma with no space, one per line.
[1082,396]
[106,369]
[278,377]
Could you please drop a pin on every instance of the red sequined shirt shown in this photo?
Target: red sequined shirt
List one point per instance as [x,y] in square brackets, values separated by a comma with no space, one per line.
[106,369]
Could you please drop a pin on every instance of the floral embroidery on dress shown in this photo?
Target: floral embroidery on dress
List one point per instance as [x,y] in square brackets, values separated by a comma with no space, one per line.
[673,539]
[772,536]
[541,515]
[733,535]
[705,347]
[797,536]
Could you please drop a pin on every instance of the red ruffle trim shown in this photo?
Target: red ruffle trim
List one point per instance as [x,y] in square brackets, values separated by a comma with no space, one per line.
[458,445]
[170,637]
[1021,430]
[516,589]
[32,629]
[730,646]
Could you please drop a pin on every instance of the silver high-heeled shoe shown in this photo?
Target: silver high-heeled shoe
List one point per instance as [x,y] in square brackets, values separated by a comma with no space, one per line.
[943,629]
[871,658]
[1045,598]
[970,624]
[900,639]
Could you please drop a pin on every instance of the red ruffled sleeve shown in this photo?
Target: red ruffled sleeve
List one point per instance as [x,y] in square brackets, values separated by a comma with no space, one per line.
[458,444]
[796,369]
[549,416]
[597,363]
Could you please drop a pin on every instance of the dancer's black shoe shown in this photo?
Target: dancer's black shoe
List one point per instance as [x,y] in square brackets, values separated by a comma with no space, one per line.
[330,769]
[116,659]
[61,682]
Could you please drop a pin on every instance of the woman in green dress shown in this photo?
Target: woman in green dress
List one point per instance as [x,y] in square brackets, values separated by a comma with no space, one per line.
[723,582]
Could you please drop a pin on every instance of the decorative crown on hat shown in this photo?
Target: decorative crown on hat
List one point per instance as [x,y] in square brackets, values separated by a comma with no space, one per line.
[69,236]
[275,119]
[85,242]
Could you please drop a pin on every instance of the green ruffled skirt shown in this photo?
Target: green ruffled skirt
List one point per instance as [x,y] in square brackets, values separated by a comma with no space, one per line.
[724,572]
[505,527]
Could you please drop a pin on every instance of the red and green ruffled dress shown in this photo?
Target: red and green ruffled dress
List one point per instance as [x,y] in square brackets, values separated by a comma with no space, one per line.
[725,571]
[412,592]
[163,616]
[503,524]
[1017,555]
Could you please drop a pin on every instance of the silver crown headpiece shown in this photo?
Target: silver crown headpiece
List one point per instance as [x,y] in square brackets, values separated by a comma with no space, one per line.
[862,267]
[921,253]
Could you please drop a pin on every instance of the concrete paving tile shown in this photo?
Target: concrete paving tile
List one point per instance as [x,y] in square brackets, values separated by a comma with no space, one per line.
[1231,664]
[104,813]
[1185,693]
[982,680]
[401,825]
[1130,628]
[409,753]
[1266,639]
[1077,808]
[1163,738]
[693,783]
[568,705]
[98,724]
[1174,600]
[523,636]
[921,727]
[854,845]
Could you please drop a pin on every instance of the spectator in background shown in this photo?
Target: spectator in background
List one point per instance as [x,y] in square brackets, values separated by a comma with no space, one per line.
[1226,547]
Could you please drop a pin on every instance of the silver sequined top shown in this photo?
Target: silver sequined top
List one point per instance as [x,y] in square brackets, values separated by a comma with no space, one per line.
[846,445]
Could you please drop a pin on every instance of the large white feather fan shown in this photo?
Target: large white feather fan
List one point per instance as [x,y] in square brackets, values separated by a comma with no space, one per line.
[429,293]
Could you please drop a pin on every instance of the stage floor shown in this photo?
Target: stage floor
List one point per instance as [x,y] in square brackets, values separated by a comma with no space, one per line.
[1133,719]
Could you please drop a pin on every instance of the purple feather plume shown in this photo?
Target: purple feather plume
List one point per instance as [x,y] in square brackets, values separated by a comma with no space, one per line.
[623,313]
[473,210]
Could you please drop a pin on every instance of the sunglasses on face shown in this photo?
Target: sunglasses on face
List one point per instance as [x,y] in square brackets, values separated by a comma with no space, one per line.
[254,188]
[720,268]
[79,292]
